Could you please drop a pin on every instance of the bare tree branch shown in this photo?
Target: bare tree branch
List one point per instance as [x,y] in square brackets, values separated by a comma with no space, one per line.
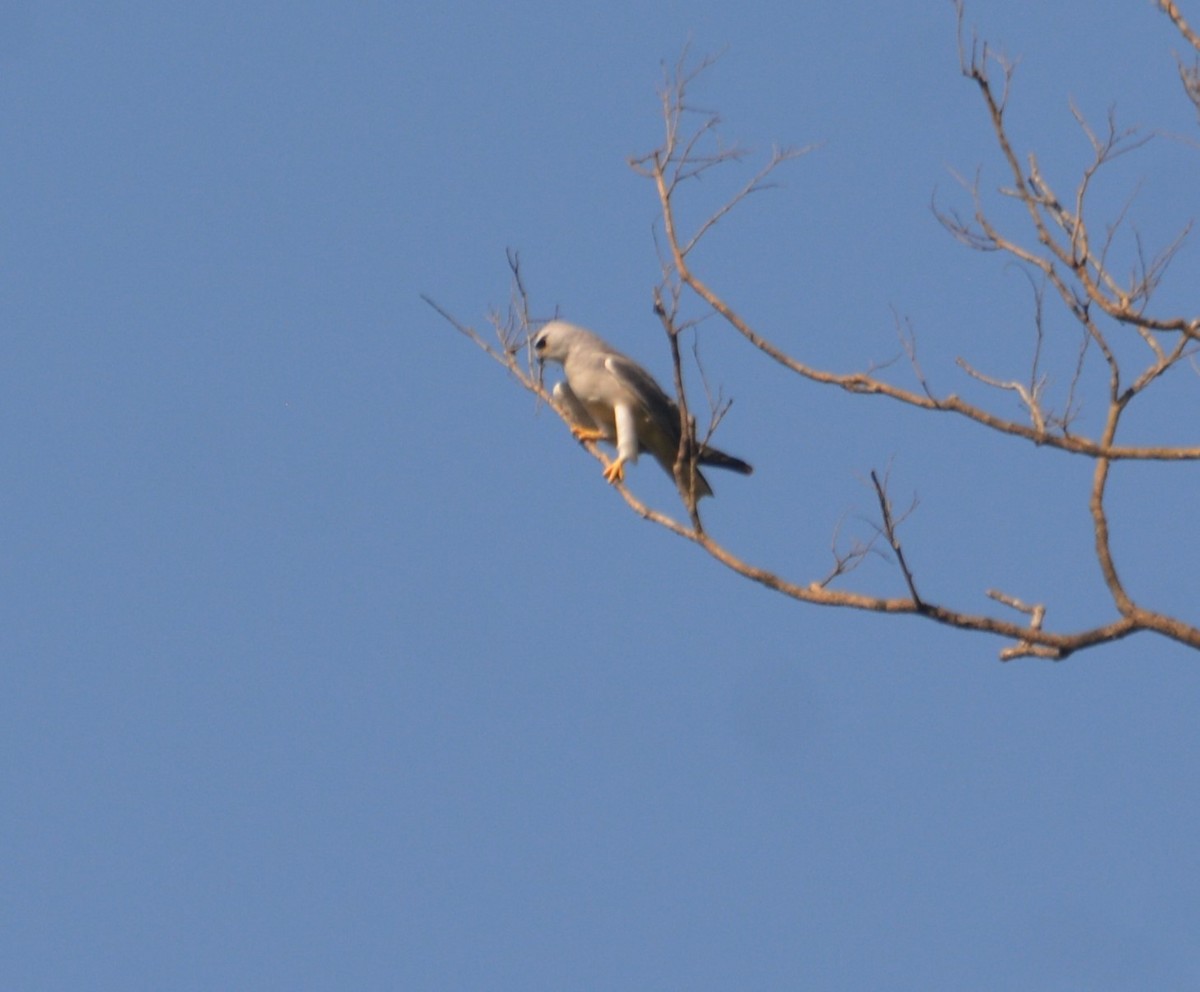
[890,525]
[1060,253]
[1172,11]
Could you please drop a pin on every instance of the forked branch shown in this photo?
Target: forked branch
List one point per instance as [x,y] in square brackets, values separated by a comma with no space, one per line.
[1063,255]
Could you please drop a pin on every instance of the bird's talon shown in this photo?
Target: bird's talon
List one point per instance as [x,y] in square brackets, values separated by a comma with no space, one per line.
[615,472]
[586,433]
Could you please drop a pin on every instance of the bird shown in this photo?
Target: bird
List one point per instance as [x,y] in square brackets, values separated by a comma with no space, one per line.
[607,396]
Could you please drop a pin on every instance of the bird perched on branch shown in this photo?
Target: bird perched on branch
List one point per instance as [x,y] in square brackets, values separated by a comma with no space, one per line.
[609,397]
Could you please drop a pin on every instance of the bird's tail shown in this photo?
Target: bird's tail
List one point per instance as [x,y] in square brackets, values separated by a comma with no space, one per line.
[718,459]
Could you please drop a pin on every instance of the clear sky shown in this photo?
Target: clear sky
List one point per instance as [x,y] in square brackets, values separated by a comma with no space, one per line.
[330,662]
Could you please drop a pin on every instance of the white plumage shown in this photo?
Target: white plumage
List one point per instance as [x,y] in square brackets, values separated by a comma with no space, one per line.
[608,396]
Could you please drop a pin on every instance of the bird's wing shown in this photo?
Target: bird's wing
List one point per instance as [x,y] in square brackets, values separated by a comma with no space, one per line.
[660,413]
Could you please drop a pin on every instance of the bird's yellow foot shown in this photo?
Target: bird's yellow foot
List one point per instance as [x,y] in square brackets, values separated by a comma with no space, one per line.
[615,472]
[586,433]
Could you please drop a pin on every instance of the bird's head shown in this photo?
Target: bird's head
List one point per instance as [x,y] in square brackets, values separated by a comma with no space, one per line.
[553,341]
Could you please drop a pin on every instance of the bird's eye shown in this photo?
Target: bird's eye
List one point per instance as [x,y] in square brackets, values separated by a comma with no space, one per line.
[539,344]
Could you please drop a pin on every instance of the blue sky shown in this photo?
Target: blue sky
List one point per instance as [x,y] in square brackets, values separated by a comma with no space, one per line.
[330,662]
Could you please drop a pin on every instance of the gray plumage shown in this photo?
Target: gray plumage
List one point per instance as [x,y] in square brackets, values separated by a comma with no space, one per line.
[609,397]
